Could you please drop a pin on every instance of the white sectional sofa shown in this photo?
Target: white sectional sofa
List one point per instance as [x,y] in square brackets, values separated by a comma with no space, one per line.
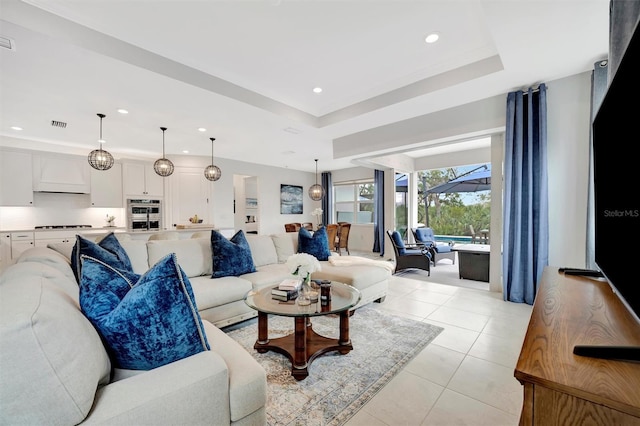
[221,300]
[54,368]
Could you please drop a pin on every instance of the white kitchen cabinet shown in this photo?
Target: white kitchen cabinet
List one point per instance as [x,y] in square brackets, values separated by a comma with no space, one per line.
[140,180]
[20,242]
[190,193]
[106,187]
[16,178]
[42,238]
[61,173]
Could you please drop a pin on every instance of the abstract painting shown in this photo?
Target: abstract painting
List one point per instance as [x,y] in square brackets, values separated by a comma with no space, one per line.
[290,199]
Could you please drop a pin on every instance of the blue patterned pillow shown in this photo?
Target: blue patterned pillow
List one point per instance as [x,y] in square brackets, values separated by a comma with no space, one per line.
[108,250]
[231,257]
[145,323]
[316,245]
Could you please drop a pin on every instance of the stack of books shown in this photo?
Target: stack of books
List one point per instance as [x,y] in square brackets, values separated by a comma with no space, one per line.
[287,290]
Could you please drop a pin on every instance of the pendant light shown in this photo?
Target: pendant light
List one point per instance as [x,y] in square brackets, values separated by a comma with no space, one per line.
[163,166]
[212,172]
[316,192]
[99,158]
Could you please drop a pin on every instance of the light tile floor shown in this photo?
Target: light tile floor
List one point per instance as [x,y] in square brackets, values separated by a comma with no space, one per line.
[465,375]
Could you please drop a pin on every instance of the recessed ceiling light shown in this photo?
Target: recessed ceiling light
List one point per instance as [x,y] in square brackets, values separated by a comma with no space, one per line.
[432,38]
[186,151]
[317,89]
[202,129]
[16,128]
[123,111]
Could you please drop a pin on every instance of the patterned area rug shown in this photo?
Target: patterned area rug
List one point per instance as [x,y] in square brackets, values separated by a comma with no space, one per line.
[337,385]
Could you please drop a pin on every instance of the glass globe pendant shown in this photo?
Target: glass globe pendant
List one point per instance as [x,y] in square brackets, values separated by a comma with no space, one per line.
[316,192]
[100,159]
[212,172]
[163,166]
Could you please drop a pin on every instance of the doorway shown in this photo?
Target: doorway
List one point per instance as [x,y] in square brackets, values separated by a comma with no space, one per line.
[246,204]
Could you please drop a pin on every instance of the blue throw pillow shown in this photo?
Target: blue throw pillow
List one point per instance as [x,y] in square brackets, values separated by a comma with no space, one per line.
[317,245]
[397,239]
[108,250]
[145,323]
[231,257]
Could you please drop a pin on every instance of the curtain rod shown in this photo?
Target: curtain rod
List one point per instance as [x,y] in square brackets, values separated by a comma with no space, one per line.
[537,89]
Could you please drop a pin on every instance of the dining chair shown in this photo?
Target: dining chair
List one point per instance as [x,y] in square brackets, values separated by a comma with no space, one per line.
[332,235]
[292,227]
[343,238]
[307,225]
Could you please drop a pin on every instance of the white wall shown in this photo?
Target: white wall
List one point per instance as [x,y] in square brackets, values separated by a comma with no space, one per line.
[568,106]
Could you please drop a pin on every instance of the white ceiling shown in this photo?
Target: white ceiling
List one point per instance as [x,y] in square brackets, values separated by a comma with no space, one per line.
[245,70]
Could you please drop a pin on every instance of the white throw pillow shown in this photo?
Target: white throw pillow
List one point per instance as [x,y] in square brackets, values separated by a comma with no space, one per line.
[193,254]
[285,244]
[137,252]
[262,250]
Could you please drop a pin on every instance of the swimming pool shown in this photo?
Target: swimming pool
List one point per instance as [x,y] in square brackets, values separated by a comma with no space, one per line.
[458,239]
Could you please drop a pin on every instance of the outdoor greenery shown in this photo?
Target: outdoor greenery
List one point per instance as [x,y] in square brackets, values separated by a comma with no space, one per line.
[450,214]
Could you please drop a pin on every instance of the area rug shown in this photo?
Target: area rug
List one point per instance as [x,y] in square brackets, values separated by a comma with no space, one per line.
[337,385]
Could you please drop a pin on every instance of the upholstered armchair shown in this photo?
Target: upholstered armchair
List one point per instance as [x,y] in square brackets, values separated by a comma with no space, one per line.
[438,250]
[409,256]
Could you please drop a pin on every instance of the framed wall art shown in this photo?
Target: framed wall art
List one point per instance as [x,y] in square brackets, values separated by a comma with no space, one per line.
[290,199]
[251,203]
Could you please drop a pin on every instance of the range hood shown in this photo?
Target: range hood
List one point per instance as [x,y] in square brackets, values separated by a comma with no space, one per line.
[60,173]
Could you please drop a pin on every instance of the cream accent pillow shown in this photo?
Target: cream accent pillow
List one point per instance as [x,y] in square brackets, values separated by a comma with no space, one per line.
[137,252]
[193,254]
[262,250]
[285,244]
[64,249]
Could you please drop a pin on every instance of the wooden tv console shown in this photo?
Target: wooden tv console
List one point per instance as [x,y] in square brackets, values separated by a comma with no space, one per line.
[561,388]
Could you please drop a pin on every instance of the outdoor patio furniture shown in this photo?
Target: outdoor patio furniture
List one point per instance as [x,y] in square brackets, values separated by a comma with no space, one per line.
[409,256]
[439,250]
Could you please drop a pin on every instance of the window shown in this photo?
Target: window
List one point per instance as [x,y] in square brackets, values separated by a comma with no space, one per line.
[354,202]
[402,204]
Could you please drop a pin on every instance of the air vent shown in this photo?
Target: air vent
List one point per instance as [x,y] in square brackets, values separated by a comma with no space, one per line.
[60,124]
[7,43]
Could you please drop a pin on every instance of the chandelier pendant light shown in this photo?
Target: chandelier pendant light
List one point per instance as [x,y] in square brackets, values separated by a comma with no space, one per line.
[212,172]
[100,159]
[316,192]
[163,166]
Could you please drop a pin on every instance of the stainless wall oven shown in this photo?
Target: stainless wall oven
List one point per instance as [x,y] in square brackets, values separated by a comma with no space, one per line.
[144,215]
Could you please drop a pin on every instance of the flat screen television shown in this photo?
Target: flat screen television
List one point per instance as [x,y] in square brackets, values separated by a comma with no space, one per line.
[616,139]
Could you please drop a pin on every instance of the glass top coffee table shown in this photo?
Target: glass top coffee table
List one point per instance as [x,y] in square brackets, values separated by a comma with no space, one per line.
[304,344]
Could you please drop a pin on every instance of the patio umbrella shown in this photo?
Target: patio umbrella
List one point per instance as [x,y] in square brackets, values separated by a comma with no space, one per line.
[471,182]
